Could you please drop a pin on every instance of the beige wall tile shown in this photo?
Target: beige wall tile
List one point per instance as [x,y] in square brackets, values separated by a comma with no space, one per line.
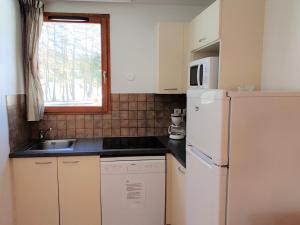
[133,115]
[79,124]
[106,124]
[88,124]
[142,105]
[130,115]
[124,132]
[97,124]
[133,97]
[124,114]
[142,97]
[88,133]
[106,132]
[124,106]
[98,133]
[124,97]
[80,133]
[71,133]
[71,124]
[115,97]
[133,132]
[116,132]
[61,125]
[115,123]
[61,117]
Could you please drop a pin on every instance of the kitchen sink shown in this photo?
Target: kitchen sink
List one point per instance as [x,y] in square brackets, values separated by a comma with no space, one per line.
[54,145]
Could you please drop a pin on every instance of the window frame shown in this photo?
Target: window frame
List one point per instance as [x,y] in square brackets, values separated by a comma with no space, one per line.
[102,19]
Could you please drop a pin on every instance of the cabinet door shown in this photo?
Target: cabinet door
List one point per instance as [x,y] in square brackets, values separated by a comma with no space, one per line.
[178,194]
[170,71]
[175,192]
[36,191]
[205,27]
[79,190]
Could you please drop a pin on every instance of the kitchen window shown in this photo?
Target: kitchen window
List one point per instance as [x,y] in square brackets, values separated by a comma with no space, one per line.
[74,62]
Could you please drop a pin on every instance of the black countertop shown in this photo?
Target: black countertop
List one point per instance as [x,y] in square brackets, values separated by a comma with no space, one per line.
[95,147]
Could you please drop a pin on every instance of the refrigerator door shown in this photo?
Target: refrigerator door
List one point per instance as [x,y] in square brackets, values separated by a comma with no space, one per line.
[264,174]
[206,190]
[207,123]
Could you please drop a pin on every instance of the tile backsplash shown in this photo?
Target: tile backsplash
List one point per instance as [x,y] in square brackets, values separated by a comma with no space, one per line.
[129,115]
[19,128]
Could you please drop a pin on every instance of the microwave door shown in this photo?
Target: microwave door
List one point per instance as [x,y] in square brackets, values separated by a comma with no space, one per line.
[194,82]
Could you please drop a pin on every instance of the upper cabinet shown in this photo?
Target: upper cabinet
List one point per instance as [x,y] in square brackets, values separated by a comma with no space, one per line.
[205,27]
[232,30]
[170,65]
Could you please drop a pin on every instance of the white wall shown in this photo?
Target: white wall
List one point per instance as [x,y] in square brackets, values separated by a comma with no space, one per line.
[11,82]
[132,38]
[281,60]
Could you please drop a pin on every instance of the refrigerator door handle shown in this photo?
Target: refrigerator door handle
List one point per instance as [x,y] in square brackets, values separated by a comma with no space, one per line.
[202,157]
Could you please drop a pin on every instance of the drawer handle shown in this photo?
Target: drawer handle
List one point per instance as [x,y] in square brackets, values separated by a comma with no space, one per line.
[71,162]
[171,89]
[43,163]
[181,170]
[202,39]
[197,108]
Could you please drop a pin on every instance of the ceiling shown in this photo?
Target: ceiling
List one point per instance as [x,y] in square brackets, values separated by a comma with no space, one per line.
[167,2]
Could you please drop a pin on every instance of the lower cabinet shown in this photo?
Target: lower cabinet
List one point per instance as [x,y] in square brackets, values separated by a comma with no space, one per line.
[175,212]
[36,191]
[57,191]
[79,190]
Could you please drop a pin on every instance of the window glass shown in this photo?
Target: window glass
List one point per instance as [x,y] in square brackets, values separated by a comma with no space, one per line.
[70,64]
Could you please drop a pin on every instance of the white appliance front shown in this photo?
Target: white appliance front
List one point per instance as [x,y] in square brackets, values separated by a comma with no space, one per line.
[133,190]
[203,73]
[206,190]
[207,123]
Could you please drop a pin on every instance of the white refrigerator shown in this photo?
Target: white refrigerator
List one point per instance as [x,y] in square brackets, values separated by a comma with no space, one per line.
[243,158]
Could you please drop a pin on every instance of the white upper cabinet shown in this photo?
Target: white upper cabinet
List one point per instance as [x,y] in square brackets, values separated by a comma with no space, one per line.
[170,68]
[205,27]
[233,30]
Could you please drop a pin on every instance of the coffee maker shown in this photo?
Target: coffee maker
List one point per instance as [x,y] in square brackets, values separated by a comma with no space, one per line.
[177,128]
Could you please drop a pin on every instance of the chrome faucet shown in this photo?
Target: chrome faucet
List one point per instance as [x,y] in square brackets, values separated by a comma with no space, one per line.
[44,134]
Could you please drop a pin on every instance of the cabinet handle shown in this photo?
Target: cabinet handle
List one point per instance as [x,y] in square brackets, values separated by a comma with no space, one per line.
[171,89]
[71,162]
[202,39]
[181,170]
[197,108]
[43,163]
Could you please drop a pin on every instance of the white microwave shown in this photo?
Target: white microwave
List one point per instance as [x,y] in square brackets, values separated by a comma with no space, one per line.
[203,73]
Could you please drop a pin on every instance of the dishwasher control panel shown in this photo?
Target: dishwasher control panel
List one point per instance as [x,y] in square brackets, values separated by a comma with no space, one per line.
[116,166]
[133,167]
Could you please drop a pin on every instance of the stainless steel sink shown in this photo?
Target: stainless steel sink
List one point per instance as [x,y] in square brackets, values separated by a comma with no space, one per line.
[54,145]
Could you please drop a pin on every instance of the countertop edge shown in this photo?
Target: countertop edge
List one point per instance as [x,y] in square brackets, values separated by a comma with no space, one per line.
[92,147]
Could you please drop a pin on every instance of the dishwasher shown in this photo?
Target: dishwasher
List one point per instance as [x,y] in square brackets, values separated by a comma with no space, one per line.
[133,190]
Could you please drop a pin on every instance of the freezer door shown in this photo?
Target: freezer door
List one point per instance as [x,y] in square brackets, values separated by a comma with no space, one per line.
[207,123]
[206,190]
